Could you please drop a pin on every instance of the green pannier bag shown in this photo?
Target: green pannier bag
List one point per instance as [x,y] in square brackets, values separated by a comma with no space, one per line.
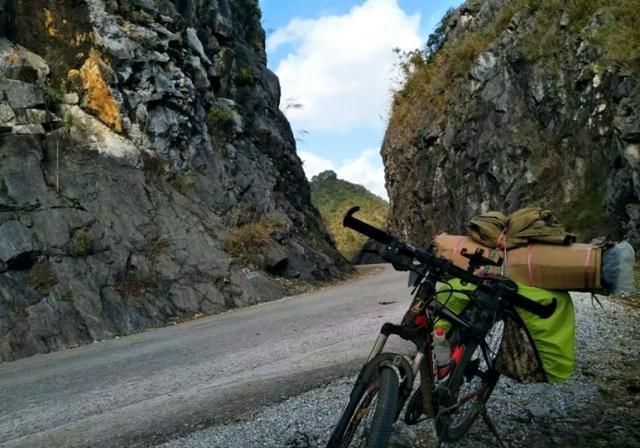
[532,349]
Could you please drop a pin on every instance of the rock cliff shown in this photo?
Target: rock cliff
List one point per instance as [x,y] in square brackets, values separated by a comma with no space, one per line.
[146,172]
[515,103]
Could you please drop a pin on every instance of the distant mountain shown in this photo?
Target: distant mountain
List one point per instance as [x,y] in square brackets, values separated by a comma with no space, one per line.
[333,197]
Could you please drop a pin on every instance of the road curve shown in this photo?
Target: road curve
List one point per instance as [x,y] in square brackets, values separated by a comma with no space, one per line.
[142,389]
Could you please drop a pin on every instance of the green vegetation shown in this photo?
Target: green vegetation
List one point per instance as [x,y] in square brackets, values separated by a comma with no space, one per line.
[435,77]
[333,197]
[184,182]
[433,81]
[247,17]
[81,243]
[246,239]
[52,97]
[66,296]
[221,123]
[622,41]
[244,78]
[42,277]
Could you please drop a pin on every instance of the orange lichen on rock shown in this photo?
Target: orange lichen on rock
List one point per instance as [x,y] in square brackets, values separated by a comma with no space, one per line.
[99,98]
[48,23]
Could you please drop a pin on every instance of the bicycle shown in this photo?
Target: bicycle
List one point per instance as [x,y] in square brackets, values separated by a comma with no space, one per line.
[455,397]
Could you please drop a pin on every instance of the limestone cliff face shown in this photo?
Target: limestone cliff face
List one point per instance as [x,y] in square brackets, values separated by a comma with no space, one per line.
[517,103]
[144,166]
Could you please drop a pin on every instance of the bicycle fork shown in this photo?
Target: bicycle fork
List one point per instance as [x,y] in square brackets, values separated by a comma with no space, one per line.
[405,333]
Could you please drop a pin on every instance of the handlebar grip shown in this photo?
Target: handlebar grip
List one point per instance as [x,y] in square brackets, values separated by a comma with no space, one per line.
[540,310]
[364,228]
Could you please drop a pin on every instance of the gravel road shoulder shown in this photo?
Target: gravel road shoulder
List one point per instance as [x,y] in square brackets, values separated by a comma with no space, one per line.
[599,406]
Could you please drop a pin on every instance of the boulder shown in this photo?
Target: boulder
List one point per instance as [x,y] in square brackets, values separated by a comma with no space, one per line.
[21,95]
[17,243]
[18,63]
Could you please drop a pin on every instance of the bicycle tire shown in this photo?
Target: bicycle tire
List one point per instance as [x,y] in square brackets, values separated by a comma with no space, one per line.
[385,386]
[461,378]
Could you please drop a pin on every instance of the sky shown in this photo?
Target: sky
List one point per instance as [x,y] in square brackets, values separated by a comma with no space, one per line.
[337,69]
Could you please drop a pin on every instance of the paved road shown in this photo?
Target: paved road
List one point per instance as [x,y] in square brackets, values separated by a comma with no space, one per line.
[145,388]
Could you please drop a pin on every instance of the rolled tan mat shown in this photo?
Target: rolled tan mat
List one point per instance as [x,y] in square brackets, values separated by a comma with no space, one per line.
[575,267]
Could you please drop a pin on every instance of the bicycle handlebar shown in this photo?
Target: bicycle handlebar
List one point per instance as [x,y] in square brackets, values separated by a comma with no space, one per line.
[446,267]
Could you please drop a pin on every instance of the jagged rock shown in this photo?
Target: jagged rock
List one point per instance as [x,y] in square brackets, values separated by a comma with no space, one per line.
[15,241]
[200,77]
[18,63]
[402,437]
[518,122]
[70,99]
[119,211]
[21,95]
[196,45]
[29,129]
[6,113]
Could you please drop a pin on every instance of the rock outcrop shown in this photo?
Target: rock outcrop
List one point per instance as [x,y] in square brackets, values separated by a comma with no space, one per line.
[146,172]
[517,103]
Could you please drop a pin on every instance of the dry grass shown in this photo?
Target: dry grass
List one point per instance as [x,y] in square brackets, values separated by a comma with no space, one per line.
[434,82]
[248,238]
[42,277]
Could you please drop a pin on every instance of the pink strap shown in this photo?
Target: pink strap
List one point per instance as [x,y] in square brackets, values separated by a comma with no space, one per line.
[587,263]
[529,258]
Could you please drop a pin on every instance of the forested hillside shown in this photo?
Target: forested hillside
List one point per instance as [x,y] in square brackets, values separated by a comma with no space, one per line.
[333,197]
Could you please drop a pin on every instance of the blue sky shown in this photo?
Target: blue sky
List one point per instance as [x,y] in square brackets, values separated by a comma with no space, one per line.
[337,69]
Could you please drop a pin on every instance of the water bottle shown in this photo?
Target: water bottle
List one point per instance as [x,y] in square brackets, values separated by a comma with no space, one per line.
[441,348]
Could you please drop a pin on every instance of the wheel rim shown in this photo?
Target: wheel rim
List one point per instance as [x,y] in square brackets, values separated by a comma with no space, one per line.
[358,427]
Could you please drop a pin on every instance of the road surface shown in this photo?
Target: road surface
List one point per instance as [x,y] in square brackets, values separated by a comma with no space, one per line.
[142,389]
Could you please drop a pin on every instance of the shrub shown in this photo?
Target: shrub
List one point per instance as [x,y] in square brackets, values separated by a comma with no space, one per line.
[439,35]
[435,77]
[184,183]
[244,78]
[221,122]
[52,97]
[432,81]
[42,277]
[621,36]
[81,243]
[246,239]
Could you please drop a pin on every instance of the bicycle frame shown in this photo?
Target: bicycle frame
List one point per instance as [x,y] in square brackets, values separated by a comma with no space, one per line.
[424,304]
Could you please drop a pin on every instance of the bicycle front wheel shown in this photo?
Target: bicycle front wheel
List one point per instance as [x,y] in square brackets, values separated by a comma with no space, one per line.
[369,416]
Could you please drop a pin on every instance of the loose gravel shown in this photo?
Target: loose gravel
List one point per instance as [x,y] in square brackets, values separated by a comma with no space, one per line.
[526,415]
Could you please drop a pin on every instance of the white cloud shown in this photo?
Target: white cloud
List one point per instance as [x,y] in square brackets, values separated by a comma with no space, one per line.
[365,170]
[314,164]
[341,68]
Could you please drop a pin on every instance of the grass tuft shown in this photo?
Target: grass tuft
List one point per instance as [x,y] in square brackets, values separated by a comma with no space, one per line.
[244,240]
[42,277]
